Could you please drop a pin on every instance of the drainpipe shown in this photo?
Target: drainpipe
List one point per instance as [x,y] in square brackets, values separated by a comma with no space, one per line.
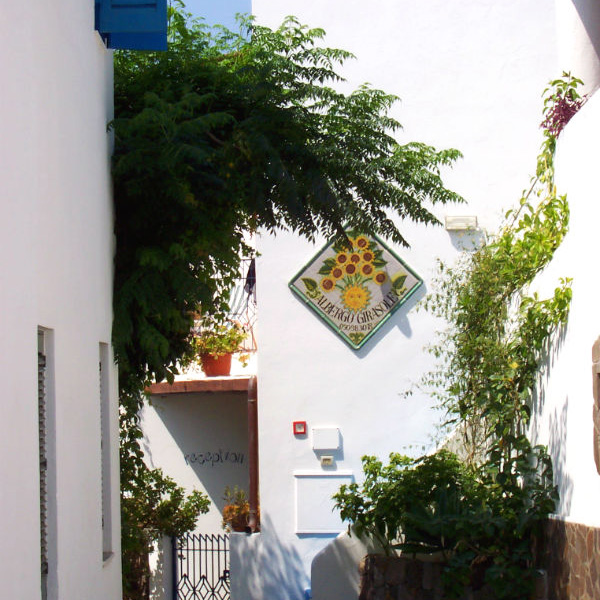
[253,524]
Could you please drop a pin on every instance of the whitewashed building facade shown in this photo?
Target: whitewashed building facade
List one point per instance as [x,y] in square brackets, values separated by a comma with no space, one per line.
[470,75]
[59,476]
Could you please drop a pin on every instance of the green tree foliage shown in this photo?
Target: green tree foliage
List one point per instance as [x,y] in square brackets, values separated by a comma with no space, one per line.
[227,133]
[220,135]
[487,513]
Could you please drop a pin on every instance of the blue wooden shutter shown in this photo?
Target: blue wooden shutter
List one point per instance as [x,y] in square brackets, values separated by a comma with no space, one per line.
[133,24]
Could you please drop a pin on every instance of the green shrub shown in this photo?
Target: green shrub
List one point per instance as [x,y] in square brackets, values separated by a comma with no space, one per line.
[415,505]
[437,503]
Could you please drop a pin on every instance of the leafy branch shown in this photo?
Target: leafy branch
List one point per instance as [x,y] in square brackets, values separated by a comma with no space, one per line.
[225,133]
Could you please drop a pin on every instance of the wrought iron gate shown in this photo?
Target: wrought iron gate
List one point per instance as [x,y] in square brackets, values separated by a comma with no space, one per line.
[201,567]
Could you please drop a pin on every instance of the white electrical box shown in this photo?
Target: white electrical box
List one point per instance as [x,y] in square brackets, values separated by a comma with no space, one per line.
[326,438]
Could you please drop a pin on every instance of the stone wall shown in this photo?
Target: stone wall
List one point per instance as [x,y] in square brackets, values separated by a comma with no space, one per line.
[398,578]
[571,554]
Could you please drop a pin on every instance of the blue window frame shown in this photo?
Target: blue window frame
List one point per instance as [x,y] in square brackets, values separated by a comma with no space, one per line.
[132,24]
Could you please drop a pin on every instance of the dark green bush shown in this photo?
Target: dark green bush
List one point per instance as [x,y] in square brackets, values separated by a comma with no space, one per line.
[414,505]
[436,503]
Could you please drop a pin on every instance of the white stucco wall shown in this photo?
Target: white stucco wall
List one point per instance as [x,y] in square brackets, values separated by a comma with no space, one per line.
[579,40]
[564,411]
[470,75]
[55,272]
[335,572]
[201,440]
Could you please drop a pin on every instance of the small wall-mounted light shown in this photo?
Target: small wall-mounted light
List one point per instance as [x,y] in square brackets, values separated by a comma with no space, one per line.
[299,427]
[460,223]
[327,461]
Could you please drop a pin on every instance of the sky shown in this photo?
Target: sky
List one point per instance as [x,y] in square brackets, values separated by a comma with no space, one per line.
[219,11]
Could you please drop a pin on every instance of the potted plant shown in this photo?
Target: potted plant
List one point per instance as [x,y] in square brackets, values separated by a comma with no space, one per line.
[236,510]
[215,343]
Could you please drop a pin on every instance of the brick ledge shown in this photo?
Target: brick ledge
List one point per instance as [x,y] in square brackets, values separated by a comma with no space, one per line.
[212,384]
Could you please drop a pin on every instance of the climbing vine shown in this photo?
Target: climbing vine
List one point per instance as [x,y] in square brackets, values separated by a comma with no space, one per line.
[499,331]
[485,511]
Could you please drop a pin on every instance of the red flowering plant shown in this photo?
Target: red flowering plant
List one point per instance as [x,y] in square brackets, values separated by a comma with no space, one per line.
[561,106]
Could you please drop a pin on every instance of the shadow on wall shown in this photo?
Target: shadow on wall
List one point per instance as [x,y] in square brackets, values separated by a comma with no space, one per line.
[161,568]
[337,454]
[557,446]
[557,425]
[589,13]
[264,568]
[211,434]
[468,240]
[399,320]
[335,570]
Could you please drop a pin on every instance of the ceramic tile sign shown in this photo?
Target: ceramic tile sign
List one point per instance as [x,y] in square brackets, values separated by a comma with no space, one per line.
[355,289]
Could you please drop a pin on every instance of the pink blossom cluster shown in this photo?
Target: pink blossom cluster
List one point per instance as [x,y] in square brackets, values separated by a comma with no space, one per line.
[562,111]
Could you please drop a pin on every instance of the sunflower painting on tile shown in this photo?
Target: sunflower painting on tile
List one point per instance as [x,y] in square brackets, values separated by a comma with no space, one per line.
[355,285]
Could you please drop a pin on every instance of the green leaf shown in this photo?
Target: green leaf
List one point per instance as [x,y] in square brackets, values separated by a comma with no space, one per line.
[398,282]
[311,284]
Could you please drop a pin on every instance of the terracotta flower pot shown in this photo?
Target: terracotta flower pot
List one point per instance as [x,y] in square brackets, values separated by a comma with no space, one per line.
[216,366]
[235,517]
